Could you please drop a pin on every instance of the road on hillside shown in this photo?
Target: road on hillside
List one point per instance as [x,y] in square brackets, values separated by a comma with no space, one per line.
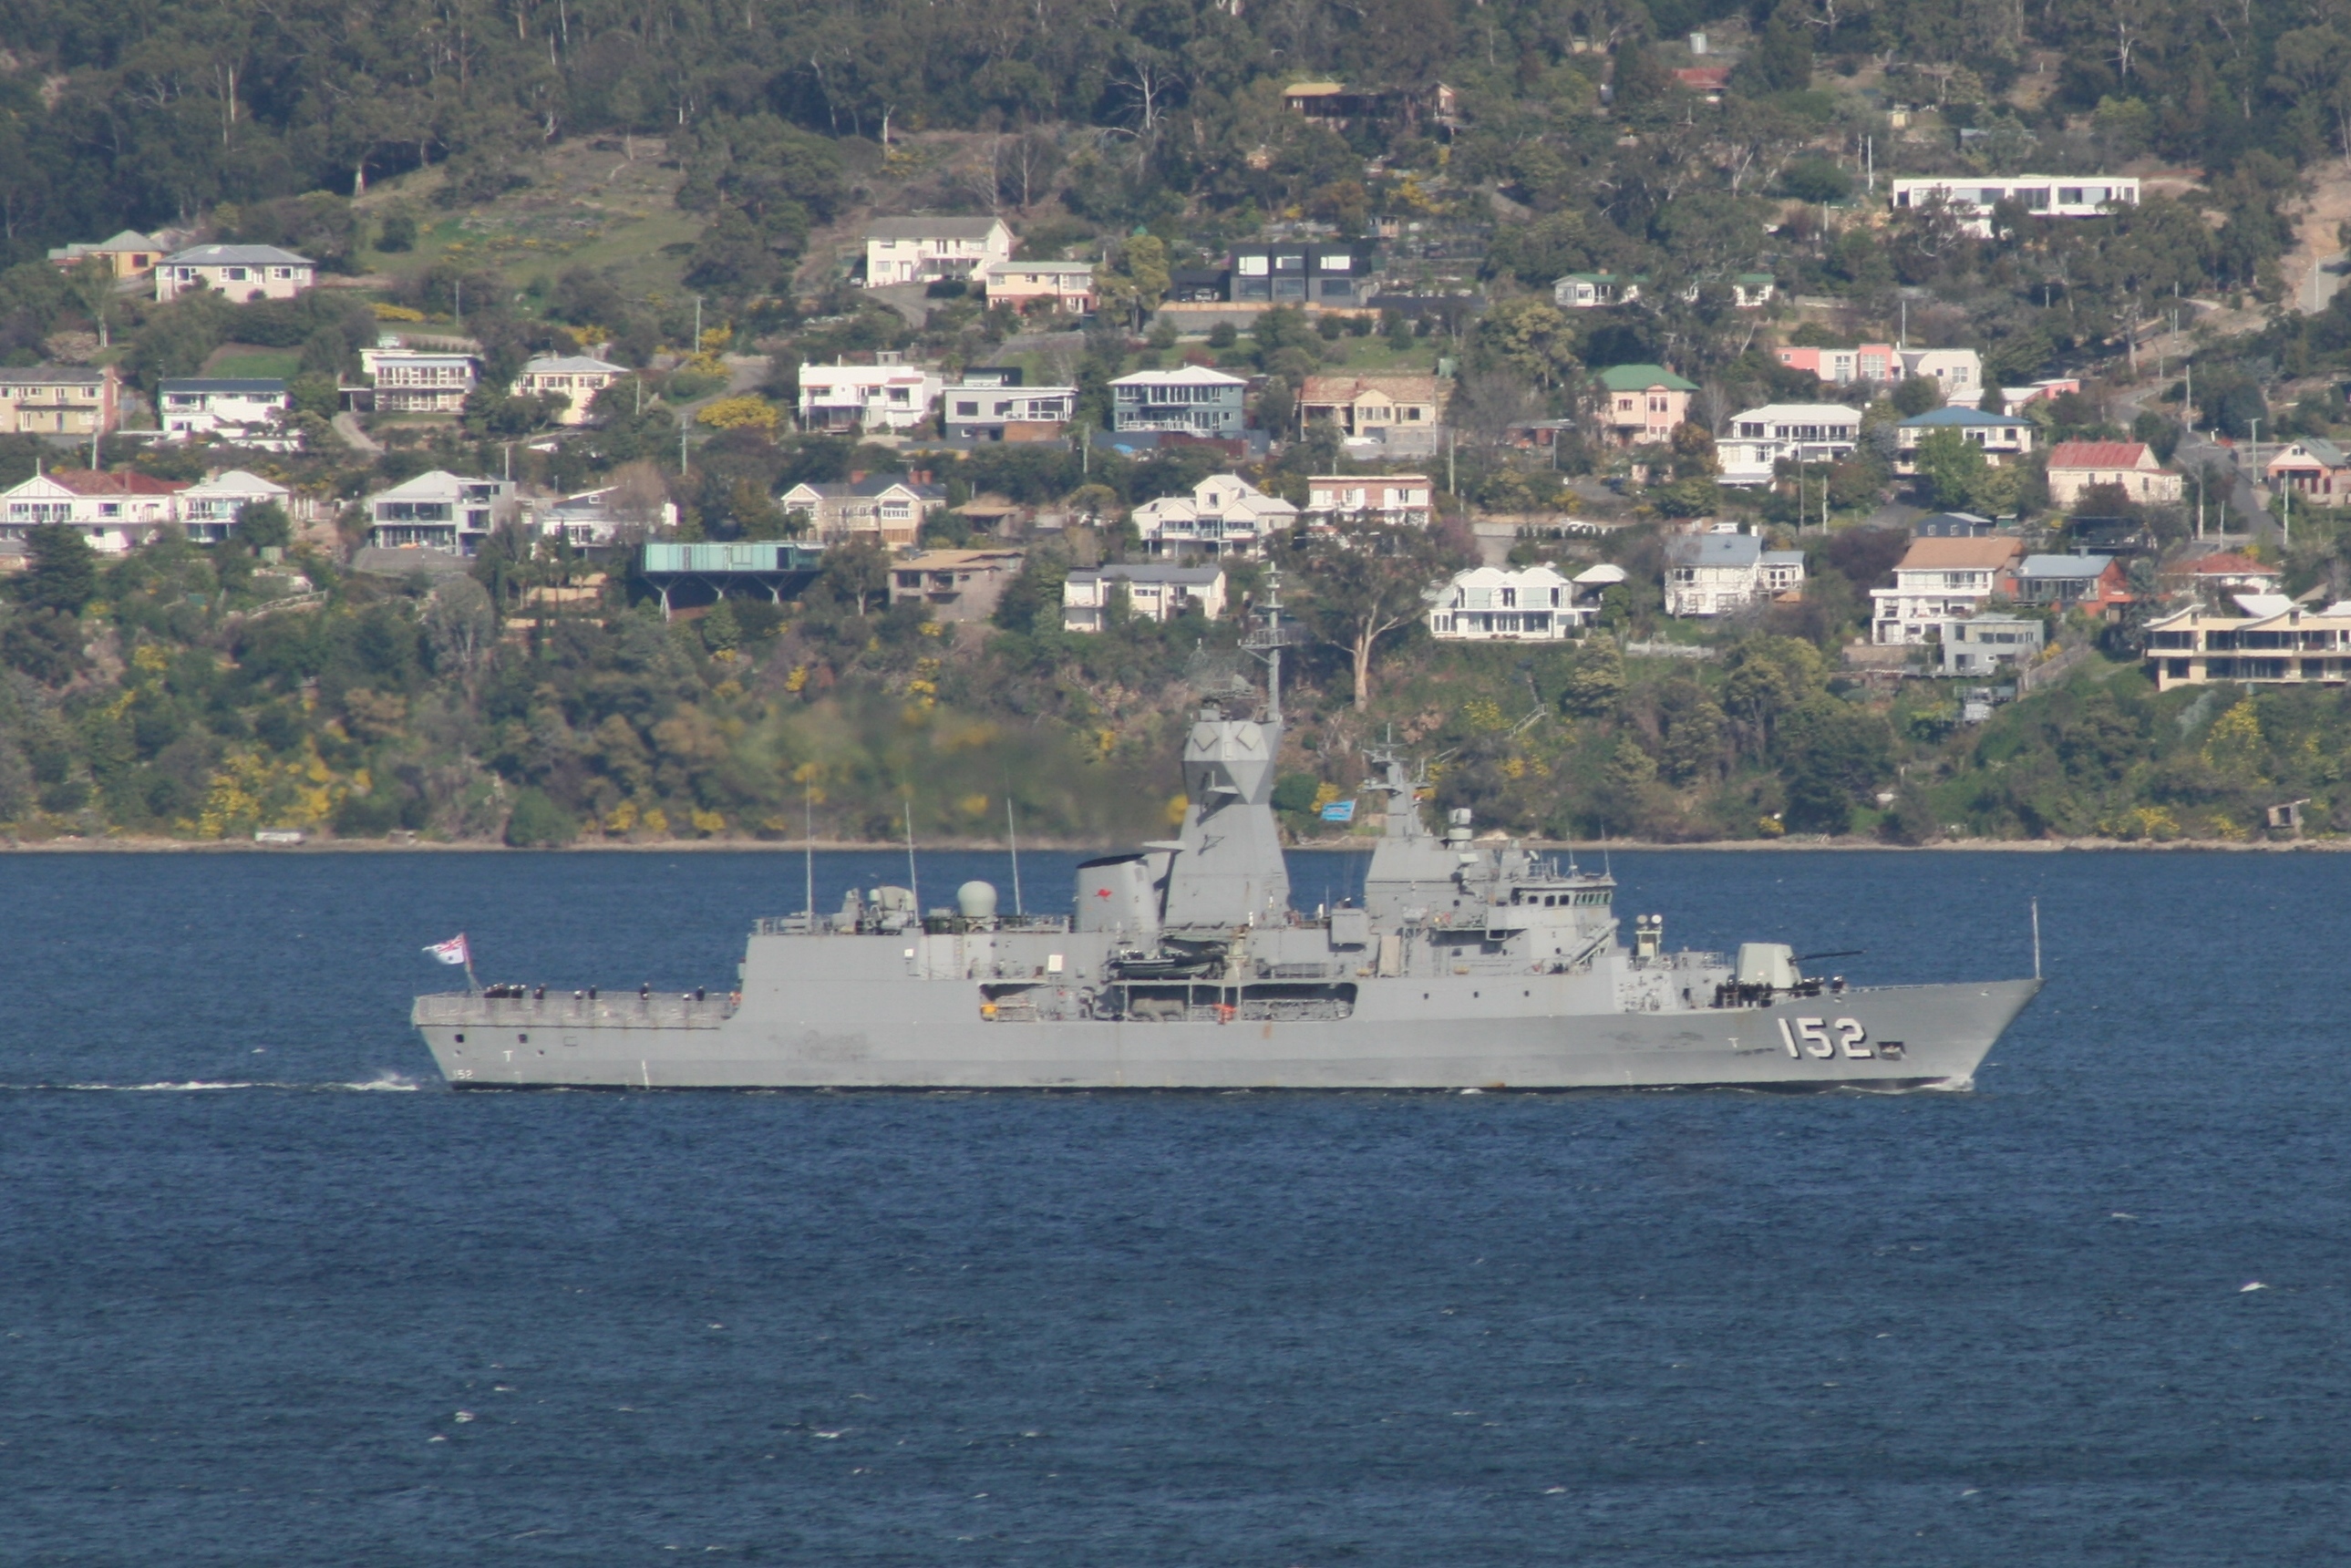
[2193,455]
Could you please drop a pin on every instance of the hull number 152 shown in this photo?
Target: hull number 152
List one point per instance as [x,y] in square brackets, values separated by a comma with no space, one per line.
[1825,1038]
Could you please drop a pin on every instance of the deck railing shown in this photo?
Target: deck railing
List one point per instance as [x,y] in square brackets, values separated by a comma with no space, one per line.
[624,1010]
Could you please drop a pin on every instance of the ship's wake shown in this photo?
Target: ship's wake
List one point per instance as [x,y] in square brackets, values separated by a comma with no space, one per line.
[385,1082]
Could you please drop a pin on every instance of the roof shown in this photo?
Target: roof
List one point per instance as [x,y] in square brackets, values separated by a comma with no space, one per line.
[254,386]
[123,482]
[1146,572]
[1640,378]
[2064,566]
[2098,454]
[1784,558]
[1029,264]
[1928,554]
[571,364]
[433,482]
[237,256]
[932,228]
[2324,453]
[1960,414]
[1801,413]
[1705,79]
[62,375]
[1606,572]
[1535,576]
[871,484]
[1188,376]
[236,481]
[2227,563]
[1347,389]
[1714,549]
[1315,90]
[949,560]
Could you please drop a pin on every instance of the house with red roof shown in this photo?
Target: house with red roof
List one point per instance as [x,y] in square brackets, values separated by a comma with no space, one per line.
[2076,465]
[116,512]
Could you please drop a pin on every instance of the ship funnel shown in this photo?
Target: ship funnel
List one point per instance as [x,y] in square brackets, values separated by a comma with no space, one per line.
[977,900]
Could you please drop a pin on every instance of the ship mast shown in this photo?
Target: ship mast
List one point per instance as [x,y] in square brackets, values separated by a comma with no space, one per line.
[1264,641]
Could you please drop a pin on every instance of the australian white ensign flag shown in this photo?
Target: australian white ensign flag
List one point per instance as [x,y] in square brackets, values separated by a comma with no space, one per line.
[453,951]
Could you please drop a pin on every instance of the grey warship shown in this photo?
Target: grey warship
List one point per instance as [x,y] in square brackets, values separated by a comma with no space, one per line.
[1182,965]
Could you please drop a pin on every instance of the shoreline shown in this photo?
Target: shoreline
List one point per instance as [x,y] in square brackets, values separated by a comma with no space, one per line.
[137,845]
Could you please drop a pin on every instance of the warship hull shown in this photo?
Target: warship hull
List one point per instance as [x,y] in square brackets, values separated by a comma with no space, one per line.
[1401,1035]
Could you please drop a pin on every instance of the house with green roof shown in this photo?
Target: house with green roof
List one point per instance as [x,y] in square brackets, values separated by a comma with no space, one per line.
[1595,290]
[1642,403]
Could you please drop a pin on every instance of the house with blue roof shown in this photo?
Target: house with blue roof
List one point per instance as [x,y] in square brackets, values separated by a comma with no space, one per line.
[2005,438]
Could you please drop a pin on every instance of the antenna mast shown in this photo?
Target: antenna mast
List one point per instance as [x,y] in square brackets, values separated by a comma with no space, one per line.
[914,883]
[1012,837]
[808,847]
[1264,642]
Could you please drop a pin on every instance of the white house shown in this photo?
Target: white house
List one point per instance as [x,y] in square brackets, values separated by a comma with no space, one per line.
[2005,438]
[1496,604]
[115,512]
[838,397]
[1154,592]
[928,250]
[1940,581]
[1595,290]
[2075,465]
[1225,515]
[1973,197]
[418,381]
[1804,431]
[208,510]
[237,272]
[1720,574]
[439,511]
[1990,641]
[1390,499]
[1961,370]
[575,376]
[245,412]
[593,518]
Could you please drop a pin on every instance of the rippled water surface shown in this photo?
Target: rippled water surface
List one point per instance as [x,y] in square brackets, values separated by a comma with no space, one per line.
[270,1293]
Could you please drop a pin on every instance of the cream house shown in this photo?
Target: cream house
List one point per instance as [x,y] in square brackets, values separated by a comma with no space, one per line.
[928,250]
[114,512]
[1154,592]
[1224,516]
[886,507]
[1362,405]
[2076,465]
[1385,498]
[1061,288]
[240,273]
[574,376]
[1497,604]
[1938,581]
[58,400]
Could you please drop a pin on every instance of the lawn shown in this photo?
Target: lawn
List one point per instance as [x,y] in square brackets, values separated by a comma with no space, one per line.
[243,361]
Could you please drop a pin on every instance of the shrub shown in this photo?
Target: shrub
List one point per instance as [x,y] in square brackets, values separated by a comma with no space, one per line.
[537,822]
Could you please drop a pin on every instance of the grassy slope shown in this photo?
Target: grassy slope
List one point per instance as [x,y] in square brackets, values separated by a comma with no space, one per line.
[584,207]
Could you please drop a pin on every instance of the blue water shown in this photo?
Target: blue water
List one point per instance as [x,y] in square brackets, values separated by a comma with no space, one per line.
[344,1315]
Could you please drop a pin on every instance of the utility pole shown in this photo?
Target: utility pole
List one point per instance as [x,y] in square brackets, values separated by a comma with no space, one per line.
[697,323]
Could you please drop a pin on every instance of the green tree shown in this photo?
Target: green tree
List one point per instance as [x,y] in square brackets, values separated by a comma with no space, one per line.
[1833,756]
[537,823]
[61,570]
[1529,338]
[1916,395]
[1596,681]
[1782,61]
[260,525]
[1951,469]
[1361,587]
